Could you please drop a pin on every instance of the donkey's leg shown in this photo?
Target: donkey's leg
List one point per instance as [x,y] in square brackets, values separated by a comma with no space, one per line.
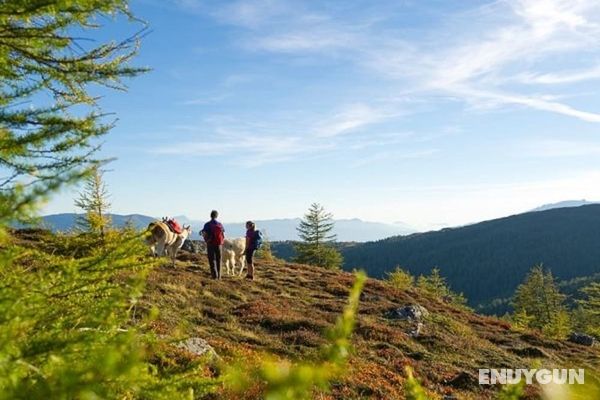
[174,255]
[160,248]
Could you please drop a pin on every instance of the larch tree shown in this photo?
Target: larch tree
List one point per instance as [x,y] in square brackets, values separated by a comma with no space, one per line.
[400,278]
[539,298]
[590,308]
[49,119]
[435,284]
[66,324]
[316,246]
[93,200]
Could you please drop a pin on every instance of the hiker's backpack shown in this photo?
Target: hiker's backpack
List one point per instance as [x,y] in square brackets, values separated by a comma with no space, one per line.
[258,240]
[216,234]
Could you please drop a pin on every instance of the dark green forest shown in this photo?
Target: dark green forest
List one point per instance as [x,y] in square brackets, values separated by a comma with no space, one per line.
[486,261]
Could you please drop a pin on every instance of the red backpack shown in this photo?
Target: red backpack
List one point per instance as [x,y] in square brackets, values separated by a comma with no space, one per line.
[215,233]
[174,226]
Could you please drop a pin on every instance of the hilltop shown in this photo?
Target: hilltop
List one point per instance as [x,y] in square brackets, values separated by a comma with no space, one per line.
[285,312]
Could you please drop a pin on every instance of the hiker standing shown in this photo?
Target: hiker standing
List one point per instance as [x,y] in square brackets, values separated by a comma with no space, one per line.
[214,236]
[253,242]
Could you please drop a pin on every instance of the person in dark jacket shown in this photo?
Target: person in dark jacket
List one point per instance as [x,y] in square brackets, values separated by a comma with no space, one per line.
[251,246]
[214,236]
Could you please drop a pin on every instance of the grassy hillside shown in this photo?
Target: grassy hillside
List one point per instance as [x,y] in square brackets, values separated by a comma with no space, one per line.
[488,260]
[285,312]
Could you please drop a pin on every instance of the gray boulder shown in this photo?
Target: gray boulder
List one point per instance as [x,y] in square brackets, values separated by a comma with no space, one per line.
[582,338]
[197,346]
[413,312]
[193,246]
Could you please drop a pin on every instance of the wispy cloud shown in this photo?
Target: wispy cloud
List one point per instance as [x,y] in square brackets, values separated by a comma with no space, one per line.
[349,119]
[474,62]
[396,155]
[562,77]
[559,148]
[495,56]
[252,144]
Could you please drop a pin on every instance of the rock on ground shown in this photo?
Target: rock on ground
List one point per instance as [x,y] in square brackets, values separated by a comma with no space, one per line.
[414,312]
[197,346]
[581,338]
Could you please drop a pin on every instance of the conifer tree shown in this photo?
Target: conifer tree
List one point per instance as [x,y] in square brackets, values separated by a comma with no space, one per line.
[539,297]
[316,246]
[401,279]
[93,200]
[436,285]
[66,326]
[48,118]
[265,252]
[590,309]
[521,320]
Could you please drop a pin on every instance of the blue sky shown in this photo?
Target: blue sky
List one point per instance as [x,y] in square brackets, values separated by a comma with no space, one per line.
[428,112]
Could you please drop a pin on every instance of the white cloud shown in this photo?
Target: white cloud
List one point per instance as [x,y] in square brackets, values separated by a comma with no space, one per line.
[564,77]
[483,64]
[349,119]
[475,62]
[396,155]
[560,148]
[256,143]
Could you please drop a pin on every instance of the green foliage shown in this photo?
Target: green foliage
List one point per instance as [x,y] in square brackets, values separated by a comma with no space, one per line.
[412,388]
[559,326]
[93,200]
[435,284]
[590,309]
[50,142]
[285,381]
[521,321]
[66,307]
[512,392]
[65,330]
[316,246]
[401,279]
[265,253]
[539,298]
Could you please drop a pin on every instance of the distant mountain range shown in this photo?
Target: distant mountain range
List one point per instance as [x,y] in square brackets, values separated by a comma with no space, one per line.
[348,230]
[565,204]
[486,261]
[68,221]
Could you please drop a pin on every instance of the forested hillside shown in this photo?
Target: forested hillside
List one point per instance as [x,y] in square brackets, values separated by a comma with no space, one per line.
[488,260]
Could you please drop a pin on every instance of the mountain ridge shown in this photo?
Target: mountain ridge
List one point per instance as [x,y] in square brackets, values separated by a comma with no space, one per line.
[351,229]
[487,260]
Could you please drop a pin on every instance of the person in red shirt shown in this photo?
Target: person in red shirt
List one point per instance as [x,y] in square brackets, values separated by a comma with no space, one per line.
[251,246]
[214,236]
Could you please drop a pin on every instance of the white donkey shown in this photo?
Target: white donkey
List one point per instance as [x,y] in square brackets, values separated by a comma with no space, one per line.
[161,239]
[233,251]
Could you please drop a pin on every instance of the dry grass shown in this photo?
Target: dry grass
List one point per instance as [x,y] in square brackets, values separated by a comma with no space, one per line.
[286,311]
